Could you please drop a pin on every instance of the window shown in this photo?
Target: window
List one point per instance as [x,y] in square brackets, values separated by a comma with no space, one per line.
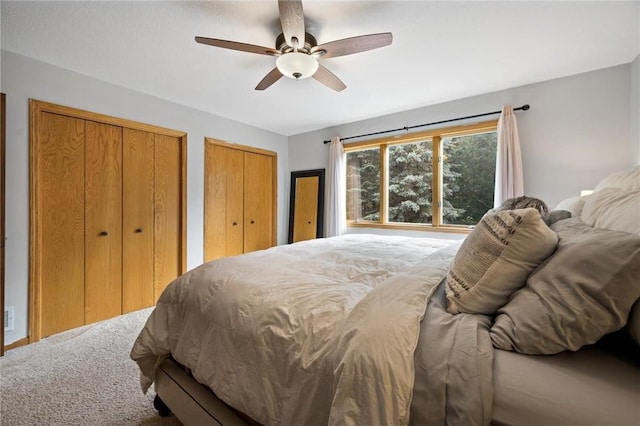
[468,178]
[363,185]
[400,182]
[409,174]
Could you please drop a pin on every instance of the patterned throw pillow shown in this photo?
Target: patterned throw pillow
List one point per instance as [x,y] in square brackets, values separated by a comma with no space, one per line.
[496,259]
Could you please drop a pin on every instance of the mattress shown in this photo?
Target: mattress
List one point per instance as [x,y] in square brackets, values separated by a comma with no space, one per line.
[589,387]
[318,332]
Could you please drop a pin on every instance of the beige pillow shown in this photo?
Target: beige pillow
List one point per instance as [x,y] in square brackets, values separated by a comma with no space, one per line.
[624,179]
[614,209]
[583,291]
[572,204]
[495,260]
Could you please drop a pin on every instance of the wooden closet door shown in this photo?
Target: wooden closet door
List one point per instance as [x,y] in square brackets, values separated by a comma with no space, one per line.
[215,207]
[224,219]
[59,178]
[167,211]
[137,219]
[234,200]
[103,221]
[258,202]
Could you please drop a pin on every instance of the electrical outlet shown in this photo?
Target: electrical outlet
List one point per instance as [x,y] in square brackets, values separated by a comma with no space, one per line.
[9,318]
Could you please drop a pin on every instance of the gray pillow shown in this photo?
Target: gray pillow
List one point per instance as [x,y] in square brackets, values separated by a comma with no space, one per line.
[555,215]
[583,291]
[495,260]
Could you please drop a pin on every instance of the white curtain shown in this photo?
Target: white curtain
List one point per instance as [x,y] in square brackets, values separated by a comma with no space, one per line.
[337,190]
[509,182]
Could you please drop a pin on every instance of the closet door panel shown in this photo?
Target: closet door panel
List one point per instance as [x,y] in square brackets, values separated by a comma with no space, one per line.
[224,221]
[103,221]
[234,243]
[137,219]
[167,202]
[60,187]
[215,189]
[258,202]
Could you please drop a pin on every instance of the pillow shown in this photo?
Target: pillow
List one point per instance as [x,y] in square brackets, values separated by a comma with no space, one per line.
[614,209]
[582,292]
[495,260]
[523,202]
[573,204]
[624,179]
[555,215]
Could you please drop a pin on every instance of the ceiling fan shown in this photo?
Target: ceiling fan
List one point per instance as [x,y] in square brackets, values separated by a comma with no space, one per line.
[298,52]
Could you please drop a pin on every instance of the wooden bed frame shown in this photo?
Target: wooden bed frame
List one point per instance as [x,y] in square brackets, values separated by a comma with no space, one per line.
[191,402]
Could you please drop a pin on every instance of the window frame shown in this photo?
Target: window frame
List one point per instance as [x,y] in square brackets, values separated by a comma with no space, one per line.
[436,136]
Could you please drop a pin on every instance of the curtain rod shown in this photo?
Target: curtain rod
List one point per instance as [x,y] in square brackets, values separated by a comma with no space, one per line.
[522,108]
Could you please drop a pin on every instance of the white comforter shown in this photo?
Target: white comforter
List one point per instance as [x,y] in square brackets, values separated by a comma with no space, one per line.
[319,332]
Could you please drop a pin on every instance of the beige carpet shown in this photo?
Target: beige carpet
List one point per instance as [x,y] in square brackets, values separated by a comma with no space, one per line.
[80,377]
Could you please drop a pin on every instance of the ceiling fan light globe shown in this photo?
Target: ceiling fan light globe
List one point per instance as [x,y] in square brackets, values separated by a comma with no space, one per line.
[297,65]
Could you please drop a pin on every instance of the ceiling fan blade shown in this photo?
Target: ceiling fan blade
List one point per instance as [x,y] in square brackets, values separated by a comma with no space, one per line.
[348,46]
[329,79]
[234,45]
[273,76]
[292,21]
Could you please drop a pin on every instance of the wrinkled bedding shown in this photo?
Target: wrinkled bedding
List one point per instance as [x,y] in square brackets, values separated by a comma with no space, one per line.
[453,368]
[325,332]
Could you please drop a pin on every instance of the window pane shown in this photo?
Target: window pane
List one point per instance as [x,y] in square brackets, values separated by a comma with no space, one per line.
[363,185]
[468,168]
[410,174]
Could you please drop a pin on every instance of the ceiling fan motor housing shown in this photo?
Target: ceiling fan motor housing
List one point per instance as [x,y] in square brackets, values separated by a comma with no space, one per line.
[309,43]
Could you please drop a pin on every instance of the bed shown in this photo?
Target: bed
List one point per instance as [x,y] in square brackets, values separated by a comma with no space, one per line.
[523,322]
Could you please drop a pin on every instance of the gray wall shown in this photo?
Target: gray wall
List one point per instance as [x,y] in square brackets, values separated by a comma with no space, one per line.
[23,78]
[576,132]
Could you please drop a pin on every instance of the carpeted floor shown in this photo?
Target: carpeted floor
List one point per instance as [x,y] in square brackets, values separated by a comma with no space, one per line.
[79,377]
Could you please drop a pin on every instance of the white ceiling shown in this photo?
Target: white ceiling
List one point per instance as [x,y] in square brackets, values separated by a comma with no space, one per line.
[441,51]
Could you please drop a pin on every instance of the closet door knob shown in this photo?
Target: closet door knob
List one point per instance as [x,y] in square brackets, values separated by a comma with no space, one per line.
[235,223]
[139,231]
[104,233]
[253,221]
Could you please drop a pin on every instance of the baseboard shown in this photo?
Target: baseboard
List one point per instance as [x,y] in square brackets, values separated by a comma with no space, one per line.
[17,344]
